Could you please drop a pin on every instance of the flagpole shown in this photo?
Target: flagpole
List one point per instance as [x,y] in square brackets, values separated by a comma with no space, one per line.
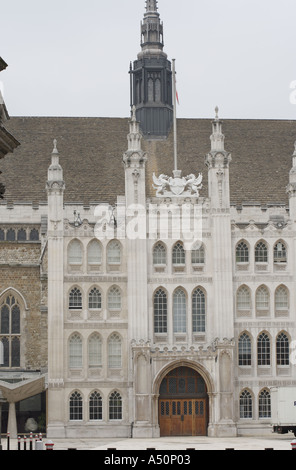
[175,117]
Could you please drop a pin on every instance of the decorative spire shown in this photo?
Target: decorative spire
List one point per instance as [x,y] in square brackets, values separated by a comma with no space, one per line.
[151,5]
[217,137]
[151,30]
[134,137]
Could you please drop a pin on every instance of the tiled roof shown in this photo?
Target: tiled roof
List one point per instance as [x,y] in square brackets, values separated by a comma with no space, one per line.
[91,152]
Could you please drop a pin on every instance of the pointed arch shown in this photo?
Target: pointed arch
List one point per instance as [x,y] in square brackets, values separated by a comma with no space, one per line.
[17,293]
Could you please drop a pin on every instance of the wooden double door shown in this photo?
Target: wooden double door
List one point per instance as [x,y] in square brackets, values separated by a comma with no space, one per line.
[183,417]
[183,403]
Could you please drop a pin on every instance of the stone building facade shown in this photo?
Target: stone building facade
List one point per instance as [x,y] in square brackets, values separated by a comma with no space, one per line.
[150,305]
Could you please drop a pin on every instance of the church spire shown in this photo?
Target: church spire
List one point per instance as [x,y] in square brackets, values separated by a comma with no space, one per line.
[151,5]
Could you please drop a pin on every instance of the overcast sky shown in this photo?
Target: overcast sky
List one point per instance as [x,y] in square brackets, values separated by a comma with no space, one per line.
[71,57]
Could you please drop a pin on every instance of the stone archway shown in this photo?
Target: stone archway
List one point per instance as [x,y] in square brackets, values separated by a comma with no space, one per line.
[183,390]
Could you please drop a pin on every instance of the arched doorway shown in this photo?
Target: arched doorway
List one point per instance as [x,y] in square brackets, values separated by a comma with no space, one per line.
[183,403]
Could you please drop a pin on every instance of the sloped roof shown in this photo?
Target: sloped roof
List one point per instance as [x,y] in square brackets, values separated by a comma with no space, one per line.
[91,152]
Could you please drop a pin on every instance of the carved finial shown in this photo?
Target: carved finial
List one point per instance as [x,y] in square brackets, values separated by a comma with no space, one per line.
[217,112]
[55,150]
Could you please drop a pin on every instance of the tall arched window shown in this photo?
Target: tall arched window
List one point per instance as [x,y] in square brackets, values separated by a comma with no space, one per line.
[75,252]
[246,405]
[21,235]
[282,350]
[262,299]
[75,351]
[263,350]
[75,299]
[76,407]
[244,350]
[114,352]
[10,330]
[115,406]
[264,404]
[178,254]
[159,254]
[198,311]
[261,253]
[281,299]
[198,254]
[94,253]
[94,299]
[160,312]
[242,252]
[95,350]
[114,252]
[95,406]
[279,252]
[114,298]
[243,298]
[179,311]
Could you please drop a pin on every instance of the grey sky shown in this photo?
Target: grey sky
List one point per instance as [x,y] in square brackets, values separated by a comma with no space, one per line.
[71,57]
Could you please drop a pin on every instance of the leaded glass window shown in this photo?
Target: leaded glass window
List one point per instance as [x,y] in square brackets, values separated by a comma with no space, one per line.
[263,350]
[244,350]
[21,235]
[243,298]
[114,252]
[115,406]
[281,298]
[159,254]
[114,352]
[279,253]
[75,299]
[246,405]
[75,351]
[242,253]
[10,331]
[95,350]
[262,298]
[160,312]
[114,298]
[264,404]
[178,254]
[198,311]
[282,350]
[179,311]
[76,407]
[34,235]
[198,255]
[95,406]
[261,253]
[95,299]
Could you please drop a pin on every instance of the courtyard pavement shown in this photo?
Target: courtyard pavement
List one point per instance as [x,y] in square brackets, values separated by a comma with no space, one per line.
[276,442]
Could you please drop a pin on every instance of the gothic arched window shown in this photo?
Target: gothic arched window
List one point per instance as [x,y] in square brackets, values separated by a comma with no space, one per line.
[76,407]
[75,351]
[246,405]
[264,404]
[263,350]
[95,406]
[114,252]
[178,254]
[115,406]
[281,299]
[94,299]
[261,253]
[114,298]
[159,254]
[160,312]
[10,331]
[114,352]
[75,252]
[279,252]
[262,298]
[75,299]
[242,253]
[244,350]
[243,298]
[94,252]
[282,350]
[198,311]
[95,350]
[198,255]
[179,311]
